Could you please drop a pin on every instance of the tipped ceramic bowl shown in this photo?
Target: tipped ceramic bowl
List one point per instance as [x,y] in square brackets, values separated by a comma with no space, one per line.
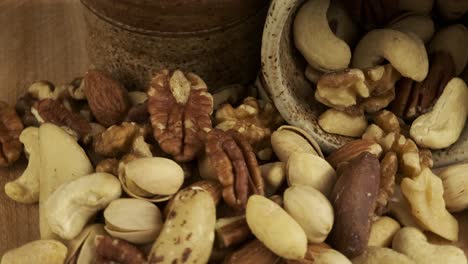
[283,76]
[284,81]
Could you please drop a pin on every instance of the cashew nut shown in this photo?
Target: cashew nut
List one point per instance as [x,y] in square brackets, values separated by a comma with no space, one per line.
[313,37]
[452,39]
[342,24]
[71,206]
[420,25]
[413,243]
[443,125]
[62,160]
[341,123]
[25,189]
[405,51]
[419,6]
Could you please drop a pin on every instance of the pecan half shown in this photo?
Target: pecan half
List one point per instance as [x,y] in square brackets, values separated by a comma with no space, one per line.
[55,112]
[106,97]
[416,98]
[10,130]
[180,108]
[235,165]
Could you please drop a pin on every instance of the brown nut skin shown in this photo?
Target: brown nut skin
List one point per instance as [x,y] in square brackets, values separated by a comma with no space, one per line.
[55,112]
[354,199]
[180,108]
[106,97]
[10,130]
[235,165]
[111,250]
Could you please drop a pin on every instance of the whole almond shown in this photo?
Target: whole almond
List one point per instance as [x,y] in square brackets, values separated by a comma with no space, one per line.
[106,97]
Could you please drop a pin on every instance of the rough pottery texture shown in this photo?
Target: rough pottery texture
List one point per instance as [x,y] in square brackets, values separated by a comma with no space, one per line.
[222,52]
[283,76]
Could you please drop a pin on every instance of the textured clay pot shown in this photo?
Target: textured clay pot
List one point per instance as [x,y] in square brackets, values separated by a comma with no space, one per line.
[283,76]
[218,39]
[285,83]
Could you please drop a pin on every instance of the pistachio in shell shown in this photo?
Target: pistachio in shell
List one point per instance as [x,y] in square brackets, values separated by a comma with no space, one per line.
[133,220]
[153,179]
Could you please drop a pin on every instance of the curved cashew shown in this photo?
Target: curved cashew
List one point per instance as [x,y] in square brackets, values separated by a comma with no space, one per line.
[406,52]
[25,189]
[452,39]
[413,243]
[443,125]
[420,6]
[420,25]
[313,37]
[62,160]
[342,123]
[71,206]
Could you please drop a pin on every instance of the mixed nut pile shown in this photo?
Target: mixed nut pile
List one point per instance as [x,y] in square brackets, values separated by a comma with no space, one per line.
[176,174]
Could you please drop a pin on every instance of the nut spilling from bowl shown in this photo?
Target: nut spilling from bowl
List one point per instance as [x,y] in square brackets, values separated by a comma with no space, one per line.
[175,174]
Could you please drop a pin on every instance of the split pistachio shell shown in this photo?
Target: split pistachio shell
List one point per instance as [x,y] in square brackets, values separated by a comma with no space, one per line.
[39,251]
[82,248]
[311,209]
[188,233]
[155,175]
[310,170]
[135,237]
[288,140]
[129,214]
[275,228]
[152,179]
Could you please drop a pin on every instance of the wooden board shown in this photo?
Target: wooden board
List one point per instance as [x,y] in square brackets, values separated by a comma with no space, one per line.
[39,39]
[45,39]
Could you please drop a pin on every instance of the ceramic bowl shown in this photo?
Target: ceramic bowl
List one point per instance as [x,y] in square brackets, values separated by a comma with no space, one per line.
[285,83]
[217,39]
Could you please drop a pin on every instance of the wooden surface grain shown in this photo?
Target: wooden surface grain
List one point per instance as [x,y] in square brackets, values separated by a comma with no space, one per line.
[39,39]
[45,39]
